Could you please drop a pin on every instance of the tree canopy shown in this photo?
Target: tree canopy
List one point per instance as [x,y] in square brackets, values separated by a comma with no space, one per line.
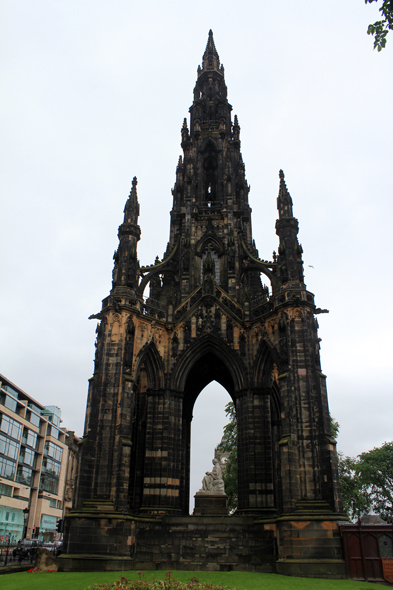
[380,28]
[367,482]
[375,471]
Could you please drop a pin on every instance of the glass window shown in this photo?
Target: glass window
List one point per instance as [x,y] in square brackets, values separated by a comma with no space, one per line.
[36,409]
[5,490]
[54,432]
[7,468]
[48,483]
[27,456]
[33,418]
[53,413]
[48,522]
[53,451]
[9,402]
[24,475]
[55,504]
[11,391]
[50,466]
[7,515]
[11,427]
[8,447]
[30,438]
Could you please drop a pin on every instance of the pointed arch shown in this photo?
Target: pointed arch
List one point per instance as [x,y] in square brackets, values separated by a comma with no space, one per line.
[264,362]
[208,359]
[150,358]
[208,144]
[209,237]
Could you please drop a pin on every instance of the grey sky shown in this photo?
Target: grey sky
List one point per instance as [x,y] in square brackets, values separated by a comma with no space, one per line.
[95,92]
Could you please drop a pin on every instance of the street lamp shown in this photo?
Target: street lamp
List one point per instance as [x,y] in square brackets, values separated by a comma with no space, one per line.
[25,517]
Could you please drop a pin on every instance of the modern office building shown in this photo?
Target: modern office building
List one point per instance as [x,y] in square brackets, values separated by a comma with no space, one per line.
[37,466]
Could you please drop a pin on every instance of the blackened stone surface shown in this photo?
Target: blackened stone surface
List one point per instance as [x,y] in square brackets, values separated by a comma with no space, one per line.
[210,504]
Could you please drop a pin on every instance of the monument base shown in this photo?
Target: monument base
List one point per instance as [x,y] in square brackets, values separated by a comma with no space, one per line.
[206,543]
[208,503]
[305,543]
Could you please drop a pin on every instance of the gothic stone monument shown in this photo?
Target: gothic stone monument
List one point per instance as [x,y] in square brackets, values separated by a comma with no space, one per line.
[208,316]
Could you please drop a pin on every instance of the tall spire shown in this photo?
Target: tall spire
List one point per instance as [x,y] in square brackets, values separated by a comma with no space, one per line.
[284,200]
[126,265]
[287,227]
[210,59]
[131,208]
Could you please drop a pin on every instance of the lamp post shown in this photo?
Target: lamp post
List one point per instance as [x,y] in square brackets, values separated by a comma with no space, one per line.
[25,517]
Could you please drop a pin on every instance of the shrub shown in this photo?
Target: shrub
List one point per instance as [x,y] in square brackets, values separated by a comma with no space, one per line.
[168,584]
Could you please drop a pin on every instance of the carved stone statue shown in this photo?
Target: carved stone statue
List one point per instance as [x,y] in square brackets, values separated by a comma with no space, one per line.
[212,481]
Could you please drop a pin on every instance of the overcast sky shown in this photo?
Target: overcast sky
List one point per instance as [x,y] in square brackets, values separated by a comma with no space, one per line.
[95,92]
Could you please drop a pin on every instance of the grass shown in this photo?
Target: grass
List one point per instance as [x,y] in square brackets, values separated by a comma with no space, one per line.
[238,580]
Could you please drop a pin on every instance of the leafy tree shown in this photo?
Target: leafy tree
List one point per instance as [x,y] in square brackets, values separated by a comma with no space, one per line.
[228,444]
[351,496]
[355,502]
[381,27]
[375,471]
[367,482]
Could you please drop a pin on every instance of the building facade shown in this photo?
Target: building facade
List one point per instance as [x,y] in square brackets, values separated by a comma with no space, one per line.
[37,466]
[215,311]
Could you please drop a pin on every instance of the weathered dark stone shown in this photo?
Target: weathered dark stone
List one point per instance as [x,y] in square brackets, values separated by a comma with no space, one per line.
[209,317]
[210,504]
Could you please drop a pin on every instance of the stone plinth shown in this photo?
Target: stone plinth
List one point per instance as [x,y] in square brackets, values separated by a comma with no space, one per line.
[195,543]
[209,503]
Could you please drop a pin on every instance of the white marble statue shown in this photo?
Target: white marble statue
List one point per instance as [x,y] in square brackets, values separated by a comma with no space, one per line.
[212,481]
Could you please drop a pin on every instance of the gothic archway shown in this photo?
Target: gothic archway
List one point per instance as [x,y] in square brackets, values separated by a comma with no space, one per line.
[207,367]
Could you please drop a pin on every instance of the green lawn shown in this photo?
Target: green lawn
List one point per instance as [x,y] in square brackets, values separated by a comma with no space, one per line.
[238,580]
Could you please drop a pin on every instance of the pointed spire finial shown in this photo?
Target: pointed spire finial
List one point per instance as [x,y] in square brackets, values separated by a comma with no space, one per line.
[184,131]
[133,194]
[236,129]
[131,208]
[284,201]
[210,59]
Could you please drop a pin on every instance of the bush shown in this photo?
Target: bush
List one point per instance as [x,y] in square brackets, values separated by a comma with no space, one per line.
[168,584]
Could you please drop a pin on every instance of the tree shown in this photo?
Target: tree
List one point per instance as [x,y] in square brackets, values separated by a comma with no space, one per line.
[375,471]
[228,444]
[381,27]
[355,502]
[366,482]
